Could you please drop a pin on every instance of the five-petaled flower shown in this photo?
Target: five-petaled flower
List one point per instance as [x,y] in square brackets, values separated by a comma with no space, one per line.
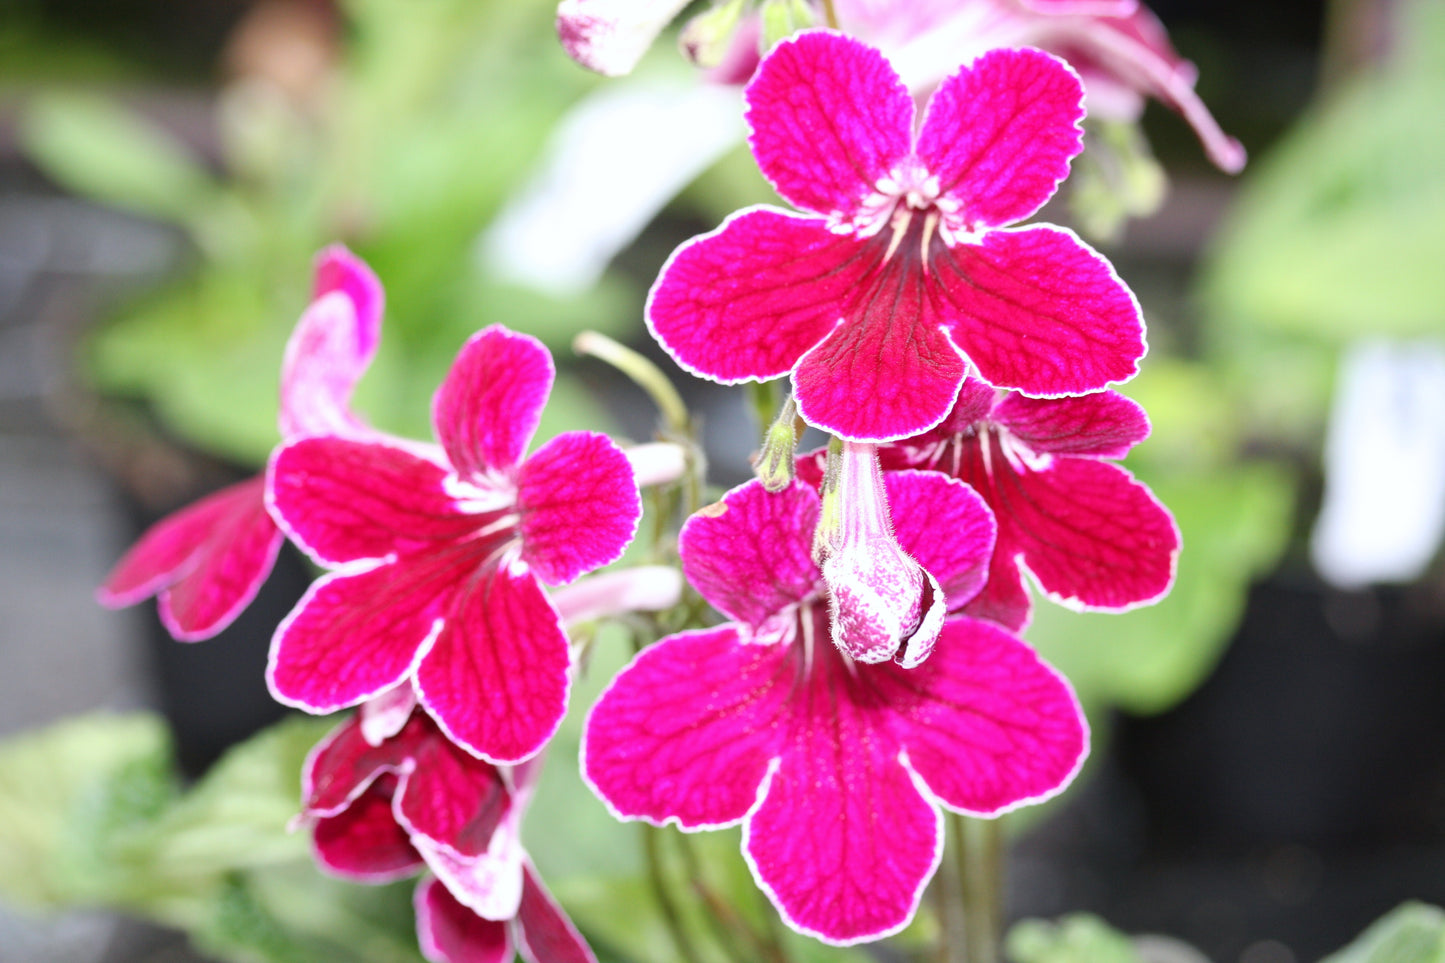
[907,273]
[439,558]
[1091,536]
[388,793]
[207,561]
[835,768]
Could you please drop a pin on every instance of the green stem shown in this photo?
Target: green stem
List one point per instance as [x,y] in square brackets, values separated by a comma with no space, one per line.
[642,371]
[980,856]
[830,15]
[732,932]
[651,836]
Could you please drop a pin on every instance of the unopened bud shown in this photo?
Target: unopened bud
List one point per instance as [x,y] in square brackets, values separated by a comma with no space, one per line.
[780,448]
[783,18]
[706,37]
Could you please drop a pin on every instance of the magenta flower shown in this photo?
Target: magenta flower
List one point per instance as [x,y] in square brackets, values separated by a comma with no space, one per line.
[440,558]
[386,804]
[906,276]
[836,769]
[1091,536]
[207,561]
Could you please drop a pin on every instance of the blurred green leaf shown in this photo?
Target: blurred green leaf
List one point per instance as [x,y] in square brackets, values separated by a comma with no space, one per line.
[1411,933]
[99,149]
[1339,232]
[1074,939]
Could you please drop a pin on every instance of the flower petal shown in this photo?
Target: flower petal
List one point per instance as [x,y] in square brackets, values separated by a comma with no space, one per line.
[486,410]
[324,359]
[448,932]
[685,732]
[1091,535]
[344,501]
[543,931]
[364,843]
[207,561]
[452,797]
[337,269]
[829,120]
[489,885]
[579,506]
[387,714]
[354,636]
[986,723]
[888,371]
[751,556]
[1003,600]
[999,134]
[1040,311]
[1105,424]
[843,841]
[610,36]
[344,764]
[502,639]
[747,300]
[946,527]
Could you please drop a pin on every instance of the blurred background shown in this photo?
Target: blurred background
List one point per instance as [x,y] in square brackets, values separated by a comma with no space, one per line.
[1269,767]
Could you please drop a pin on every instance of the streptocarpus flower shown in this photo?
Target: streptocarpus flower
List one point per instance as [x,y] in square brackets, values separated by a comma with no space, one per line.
[836,769]
[207,561]
[439,560]
[387,803]
[1091,536]
[907,274]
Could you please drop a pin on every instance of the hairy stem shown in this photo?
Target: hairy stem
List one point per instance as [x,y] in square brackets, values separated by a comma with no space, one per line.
[980,856]
[661,891]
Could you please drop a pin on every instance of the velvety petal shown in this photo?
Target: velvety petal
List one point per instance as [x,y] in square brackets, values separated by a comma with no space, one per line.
[384,715]
[946,527]
[448,932]
[489,885]
[502,639]
[354,636]
[747,300]
[207,561]
[999,134]
[543,931]
[685,733]
[344,764]
[1040,311]
[830,119]
[1091,535]
[343,500]
[1004,599]
[337,269]
[579,506]
[452,797]
[843,841]
[610,36]
[364,843]
[751,555]
[985,723]
[486,410]
[324,360]
[1105,424]
[888,371]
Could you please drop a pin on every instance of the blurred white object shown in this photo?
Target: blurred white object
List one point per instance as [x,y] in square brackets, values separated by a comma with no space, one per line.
[1384,500]
[614,161]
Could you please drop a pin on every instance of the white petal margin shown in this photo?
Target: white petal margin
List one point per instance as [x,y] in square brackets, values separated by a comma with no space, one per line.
[1384,502]
[615,159]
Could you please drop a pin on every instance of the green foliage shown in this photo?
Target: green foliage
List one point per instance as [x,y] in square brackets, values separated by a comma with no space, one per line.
[91,815]
[1074,939]
[1412,933]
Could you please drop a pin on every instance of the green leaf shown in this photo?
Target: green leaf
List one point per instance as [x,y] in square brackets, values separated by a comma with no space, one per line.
[1411,933]
[97,148]
[67,793]
[1074,939]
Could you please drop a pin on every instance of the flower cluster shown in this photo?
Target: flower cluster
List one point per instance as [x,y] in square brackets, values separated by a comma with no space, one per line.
[868,673]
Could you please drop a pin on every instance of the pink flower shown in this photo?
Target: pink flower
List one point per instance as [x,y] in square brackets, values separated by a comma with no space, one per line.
[906,276]
[207,561]
[1091,536]
[1119,48]
[386,803]
[835,769]
[439,559]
